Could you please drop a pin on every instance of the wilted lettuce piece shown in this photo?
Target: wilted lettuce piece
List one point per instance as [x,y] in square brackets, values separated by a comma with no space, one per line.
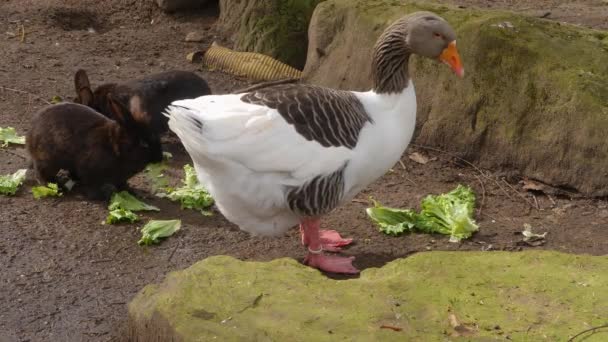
[56,99]
[51,189]
[9,136]
[9,184]
[192,195]
[156,229]
[450,214]
[156,176]
[124,200]
[392,221]
[121,215]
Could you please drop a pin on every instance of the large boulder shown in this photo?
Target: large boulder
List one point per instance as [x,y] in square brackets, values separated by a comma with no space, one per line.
[487,296]
[277,28]
[534,96]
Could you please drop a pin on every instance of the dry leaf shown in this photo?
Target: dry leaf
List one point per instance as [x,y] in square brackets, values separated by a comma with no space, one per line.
[531,238]
[461,329]
[419,158]
[532,185]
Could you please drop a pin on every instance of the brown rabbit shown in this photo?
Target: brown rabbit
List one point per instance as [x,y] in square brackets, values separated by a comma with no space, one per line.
[95,150]
[156,92]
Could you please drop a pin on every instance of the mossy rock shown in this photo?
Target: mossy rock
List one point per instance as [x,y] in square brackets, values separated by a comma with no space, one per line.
[534,97]
[277,28]
[527,296]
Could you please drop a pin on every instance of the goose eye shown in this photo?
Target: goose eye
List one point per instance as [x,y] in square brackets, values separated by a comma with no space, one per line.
[437,35]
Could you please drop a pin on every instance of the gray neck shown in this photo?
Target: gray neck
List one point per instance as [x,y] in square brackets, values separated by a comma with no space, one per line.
[390,61]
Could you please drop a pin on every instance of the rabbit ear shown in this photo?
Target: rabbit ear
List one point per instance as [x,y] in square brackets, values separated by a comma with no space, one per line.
[83,88]
[137,110]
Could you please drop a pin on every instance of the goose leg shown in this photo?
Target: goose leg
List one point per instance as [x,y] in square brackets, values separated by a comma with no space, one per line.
[315,258]
[331,241]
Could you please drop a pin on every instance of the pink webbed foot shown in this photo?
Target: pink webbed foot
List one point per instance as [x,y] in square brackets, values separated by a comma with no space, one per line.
[333,264]
[331,240]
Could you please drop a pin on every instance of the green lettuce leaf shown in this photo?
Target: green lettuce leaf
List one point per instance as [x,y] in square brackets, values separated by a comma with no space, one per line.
[124,200]
[51,189]
[9,136]
[192,195]
[392,221]
[121,215]
[448,214]
[156,176]
[156,229]
[9,184]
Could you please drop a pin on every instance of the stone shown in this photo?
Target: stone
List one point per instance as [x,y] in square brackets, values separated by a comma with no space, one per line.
[534,97]
[430,296]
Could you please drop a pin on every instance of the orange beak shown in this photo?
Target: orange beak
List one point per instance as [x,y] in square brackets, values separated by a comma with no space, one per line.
[451,57]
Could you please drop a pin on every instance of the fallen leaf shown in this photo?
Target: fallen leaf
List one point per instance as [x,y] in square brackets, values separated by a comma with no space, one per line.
[419,158]
[461,329]
[531,238]
[532,185]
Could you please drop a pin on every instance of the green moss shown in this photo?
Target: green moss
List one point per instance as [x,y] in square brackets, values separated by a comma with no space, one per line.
[278,28]
[530,296]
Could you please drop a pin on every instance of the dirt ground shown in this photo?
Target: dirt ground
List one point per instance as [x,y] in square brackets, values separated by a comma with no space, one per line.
[66,277]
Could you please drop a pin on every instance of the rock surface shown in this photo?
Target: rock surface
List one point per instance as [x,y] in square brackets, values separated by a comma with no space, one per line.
[534,96]
[277,28]
[534,296]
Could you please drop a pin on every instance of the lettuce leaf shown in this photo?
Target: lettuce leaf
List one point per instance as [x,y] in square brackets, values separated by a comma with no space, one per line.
[51,189]
[192,195]
[9,136]
[124,200]
[121,215]
[9,184]
[448,214]
[392,221]
[156,229]
[122,207]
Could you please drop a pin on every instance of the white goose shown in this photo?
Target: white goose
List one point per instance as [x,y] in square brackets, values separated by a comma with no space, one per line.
[288,154]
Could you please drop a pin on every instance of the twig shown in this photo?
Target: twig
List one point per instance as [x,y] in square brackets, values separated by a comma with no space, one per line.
[552,200]
[173,252]
[481,173]
[409,180]
[22,33]
[505,191]
[592,330]
[536,202]
[265,84]
[401,163]
[384,326]
[483,195]
[455,156]
[25,92]
[355,200]
[520,195]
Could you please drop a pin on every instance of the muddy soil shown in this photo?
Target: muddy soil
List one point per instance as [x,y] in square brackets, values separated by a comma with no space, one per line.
[66,277]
